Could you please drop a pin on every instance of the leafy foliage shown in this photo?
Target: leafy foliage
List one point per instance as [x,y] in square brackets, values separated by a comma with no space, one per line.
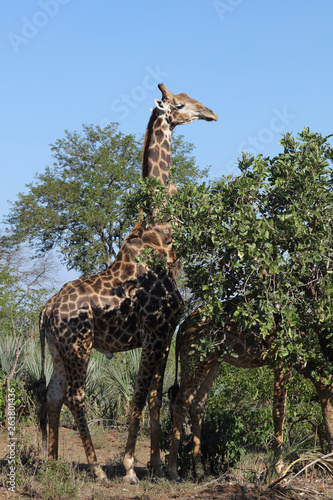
[247,394]
[77,205]
[221,440]
[266,238]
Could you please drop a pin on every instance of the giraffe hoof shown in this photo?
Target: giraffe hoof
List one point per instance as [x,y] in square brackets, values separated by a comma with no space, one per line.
[105,481]
[173,476]
[177,480]
[99,474]
[131,480]
[102,479]
[159,473]
[156,471]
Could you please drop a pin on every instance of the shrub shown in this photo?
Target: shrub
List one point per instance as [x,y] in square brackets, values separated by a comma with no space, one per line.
[60,475]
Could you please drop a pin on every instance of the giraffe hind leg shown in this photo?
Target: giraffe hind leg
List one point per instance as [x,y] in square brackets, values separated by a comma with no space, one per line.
[67,386]
[40,391]
[54,401]
[74,399]
[75,402]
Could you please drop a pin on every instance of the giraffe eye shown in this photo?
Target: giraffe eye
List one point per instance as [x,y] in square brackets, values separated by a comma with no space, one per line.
[179,106]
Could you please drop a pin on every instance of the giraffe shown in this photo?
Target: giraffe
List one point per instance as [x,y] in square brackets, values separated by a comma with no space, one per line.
[246,349]
[126,306]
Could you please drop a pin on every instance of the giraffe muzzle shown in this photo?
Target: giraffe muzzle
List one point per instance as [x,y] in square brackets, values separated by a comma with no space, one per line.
[208,115]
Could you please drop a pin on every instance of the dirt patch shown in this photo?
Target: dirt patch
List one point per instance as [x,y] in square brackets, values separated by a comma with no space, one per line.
[110,446]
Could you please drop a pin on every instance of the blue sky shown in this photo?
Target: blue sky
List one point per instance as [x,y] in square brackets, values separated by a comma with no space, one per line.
[264,67]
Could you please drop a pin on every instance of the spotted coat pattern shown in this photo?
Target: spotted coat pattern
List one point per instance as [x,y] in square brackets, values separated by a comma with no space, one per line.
[124,307]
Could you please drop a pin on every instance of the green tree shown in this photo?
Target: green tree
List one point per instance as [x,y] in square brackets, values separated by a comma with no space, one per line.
[77,205]
[266,236]
[22,293]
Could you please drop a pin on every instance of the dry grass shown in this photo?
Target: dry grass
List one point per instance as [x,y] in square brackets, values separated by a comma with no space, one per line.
[70,478]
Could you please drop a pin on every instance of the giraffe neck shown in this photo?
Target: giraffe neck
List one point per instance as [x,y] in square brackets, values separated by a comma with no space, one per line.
[156,153]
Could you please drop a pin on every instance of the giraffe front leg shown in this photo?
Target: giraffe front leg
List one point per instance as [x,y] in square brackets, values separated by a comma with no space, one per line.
[279,413]
[128,461]
[151,360]
[138,402]
[155,403]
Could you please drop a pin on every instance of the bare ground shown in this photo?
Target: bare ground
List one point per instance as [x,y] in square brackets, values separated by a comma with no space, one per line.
[110,447]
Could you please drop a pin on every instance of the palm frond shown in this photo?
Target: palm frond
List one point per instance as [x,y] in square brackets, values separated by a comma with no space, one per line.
[8,346]
[33,361]
[94,380]
[122,373]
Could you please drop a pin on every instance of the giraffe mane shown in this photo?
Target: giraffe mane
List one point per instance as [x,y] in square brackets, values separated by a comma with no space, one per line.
[137,226]
[152,119]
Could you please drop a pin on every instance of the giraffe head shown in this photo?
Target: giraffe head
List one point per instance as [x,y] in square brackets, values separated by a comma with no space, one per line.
[170,111]
[180,109]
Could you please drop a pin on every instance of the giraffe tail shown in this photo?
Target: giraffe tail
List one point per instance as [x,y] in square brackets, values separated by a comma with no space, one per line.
[174,389]
[40,385]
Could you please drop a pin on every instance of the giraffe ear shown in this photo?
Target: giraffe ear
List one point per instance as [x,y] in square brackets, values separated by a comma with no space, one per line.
[160,105]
